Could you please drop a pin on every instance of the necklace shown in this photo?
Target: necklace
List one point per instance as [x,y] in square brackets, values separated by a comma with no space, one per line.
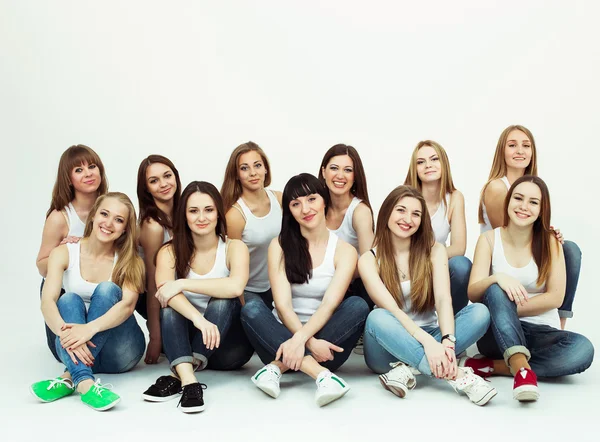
[402,274]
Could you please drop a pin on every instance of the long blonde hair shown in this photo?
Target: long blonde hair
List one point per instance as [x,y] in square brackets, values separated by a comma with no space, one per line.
[129,269]
[419,261]
[446,182]
[63,192]
[499,168]
[231,189]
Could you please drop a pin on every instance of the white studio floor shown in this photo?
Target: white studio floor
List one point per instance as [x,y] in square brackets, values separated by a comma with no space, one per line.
[237,410]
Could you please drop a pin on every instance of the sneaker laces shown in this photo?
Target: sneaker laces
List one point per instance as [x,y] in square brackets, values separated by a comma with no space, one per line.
[326,374]
[405,374]
[192,391]
[470,381]
[98,388]
[273,370]
[56,382]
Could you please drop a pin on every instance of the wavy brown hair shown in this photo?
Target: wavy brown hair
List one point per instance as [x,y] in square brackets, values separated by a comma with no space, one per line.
[359,188]
[412,177]
[419,262]
[231,190]
[499,165]
[129,269]
[543,237]
[183,242]
[148,207]
[63,192]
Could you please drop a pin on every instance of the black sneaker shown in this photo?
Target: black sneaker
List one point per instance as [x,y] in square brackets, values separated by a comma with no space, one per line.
[164,389]
[191,401]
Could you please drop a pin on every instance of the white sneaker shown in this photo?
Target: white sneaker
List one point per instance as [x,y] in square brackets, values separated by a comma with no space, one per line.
[267,379]
[399,379]
[359,349]
[329,388]
[475,387]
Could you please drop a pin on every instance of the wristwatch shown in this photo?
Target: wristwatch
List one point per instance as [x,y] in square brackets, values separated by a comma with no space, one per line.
[449,337]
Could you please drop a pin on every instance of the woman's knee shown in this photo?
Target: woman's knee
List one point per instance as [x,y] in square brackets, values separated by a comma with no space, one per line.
[357,307]
[253,309]
[108,291]
[582,353]
[494,297]
[572,252]
[70,299]
[479,315]
[460,266]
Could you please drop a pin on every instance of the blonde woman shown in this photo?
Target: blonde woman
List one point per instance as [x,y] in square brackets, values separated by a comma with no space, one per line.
[93,321]
[253,212]
[406,274]
[519,274]
[429,173]
[80,179]
[516,156]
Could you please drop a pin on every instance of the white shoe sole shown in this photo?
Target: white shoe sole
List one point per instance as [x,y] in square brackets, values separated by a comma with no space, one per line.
[397,388]
[486,398]
[197,409]
[106,407]
[149,398]
[329,398]
[269,389]
[526,393]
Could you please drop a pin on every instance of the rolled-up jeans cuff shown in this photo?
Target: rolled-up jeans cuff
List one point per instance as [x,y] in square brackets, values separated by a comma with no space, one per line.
[201,361]
[565,314]
[515,349]
[186,359]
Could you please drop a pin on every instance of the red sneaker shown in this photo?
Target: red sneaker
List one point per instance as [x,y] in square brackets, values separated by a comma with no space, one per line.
[481,365]
[525,387]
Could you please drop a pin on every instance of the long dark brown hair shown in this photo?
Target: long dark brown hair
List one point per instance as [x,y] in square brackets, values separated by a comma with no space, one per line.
[64,192]
[298,263]
[183,242]
[359,188]
[419,261]
[148,207]
[543,236]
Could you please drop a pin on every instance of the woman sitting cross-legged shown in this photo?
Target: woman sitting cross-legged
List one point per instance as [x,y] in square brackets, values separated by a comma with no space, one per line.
[407,276]
[312,327]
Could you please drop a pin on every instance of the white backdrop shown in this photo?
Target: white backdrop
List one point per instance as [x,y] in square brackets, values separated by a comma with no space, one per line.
[193,79]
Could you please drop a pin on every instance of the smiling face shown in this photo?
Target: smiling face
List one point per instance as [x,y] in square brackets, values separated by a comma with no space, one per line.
[339,174]
[405,218]
[524,205]
[161,182]
[86,177]
[517,150]
[251,170]
[201,214]
[308,210]
[429,168]
[110,220]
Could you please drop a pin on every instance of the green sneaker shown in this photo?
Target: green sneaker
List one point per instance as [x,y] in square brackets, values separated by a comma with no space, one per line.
[99,397]
[52,389]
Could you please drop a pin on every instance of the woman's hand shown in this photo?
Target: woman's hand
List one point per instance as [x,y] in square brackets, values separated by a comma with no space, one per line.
[513,288]
[83,353]
[291,353]
[452,362]
[74,335]
[322,350]
[70,240]
[210,333]
[167,290]
[153,351]
[559,236]
[436,356]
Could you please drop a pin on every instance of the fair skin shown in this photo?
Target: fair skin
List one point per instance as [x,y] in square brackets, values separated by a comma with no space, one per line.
[85,179]
[309,212]
[251,175]
[162,185]
[404,222]
[202,218]
[429,171]
[339,178]
[523,211]
[96,264]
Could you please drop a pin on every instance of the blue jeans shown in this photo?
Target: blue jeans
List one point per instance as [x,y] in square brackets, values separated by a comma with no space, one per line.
[117,350]
[182,342]
[267,297]
[50,336]
[573,266]
[551,352]
[460,271]
[386,340]
[343,329]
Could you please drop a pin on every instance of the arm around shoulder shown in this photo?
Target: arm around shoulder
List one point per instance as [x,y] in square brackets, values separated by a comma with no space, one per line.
[362,222]
[235,223]
[494,202]
[458,225]
[55,229]
[480,278]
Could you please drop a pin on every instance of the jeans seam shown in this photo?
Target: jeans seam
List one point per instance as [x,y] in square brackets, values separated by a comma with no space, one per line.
[260,338]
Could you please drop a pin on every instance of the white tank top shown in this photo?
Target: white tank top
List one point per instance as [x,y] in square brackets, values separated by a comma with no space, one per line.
[76,226]
[440,223]
[487,225]
[219,270]
[346,231]
[425,319]
[527,276]
[257,235]
[73,282]
[307,297]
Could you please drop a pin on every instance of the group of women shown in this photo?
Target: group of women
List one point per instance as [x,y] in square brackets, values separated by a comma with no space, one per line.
[304,276]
